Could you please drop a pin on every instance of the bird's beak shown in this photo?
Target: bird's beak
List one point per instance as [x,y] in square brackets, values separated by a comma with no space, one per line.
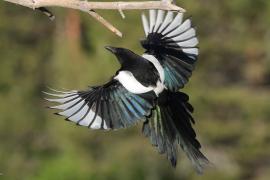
[111,49]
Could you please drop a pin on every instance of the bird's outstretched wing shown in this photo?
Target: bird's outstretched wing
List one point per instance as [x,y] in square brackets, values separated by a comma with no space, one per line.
[109,106]
[173,43]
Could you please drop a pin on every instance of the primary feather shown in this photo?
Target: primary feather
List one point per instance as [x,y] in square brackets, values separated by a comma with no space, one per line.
[174,43]
[110,106]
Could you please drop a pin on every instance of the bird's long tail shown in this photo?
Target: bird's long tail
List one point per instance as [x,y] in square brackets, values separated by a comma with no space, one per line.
[171,125]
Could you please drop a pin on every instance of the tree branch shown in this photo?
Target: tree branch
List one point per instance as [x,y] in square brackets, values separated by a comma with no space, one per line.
[88,7]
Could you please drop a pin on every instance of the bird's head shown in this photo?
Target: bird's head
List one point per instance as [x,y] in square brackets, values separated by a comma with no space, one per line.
[122,54]
[114,50]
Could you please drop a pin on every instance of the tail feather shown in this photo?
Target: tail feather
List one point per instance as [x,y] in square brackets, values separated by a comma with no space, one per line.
[171,125]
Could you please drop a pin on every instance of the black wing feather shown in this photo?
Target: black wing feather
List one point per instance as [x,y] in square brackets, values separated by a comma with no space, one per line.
[171,126]
[174,46]
[109,106]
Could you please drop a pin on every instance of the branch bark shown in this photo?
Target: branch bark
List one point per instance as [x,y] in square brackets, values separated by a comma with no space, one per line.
[89,7]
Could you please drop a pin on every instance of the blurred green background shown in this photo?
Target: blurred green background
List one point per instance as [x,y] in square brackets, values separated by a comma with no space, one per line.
[229,90]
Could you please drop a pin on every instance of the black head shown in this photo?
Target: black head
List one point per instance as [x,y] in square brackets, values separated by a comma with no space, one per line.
[113,50]
[122,54]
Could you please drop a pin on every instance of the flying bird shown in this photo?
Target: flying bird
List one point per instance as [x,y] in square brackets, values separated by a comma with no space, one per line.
[145,89]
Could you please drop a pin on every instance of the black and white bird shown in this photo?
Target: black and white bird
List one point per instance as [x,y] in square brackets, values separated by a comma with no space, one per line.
[146,89]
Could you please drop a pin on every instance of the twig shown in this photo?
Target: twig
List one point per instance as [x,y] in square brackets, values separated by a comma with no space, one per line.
[47,13]
[88,7]
[122,13]
[105,22]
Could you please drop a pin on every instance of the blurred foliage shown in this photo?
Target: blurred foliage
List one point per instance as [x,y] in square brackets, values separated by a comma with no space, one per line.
[229,90]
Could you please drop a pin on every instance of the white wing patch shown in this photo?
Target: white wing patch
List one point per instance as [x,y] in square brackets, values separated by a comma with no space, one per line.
[186,35]
[75,109]
[175,23]
[76,117]
[194,51]
[60,100]
[167,20]
[66,105]
[71,111]
[127,79]
[189,43]
[157,65]
[96,123]
[159,20]
[160,84]
[182,28]
[152,14]
[172,27]
[160,87]
[145,24]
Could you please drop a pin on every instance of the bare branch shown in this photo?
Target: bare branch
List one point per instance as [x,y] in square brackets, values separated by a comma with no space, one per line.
[82,5]
[88,7]
[122,13]
[105,23]
[47,13]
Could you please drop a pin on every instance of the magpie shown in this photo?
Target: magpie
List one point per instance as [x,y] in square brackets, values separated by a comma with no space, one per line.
[145,89]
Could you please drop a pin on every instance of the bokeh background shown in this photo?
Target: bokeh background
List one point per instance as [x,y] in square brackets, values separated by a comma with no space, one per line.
[229,90]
